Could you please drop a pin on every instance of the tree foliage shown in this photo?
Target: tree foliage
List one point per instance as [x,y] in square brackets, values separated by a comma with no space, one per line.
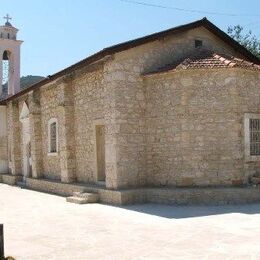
[247,39]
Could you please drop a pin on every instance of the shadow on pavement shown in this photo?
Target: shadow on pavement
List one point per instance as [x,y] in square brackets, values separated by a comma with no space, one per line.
[178,212]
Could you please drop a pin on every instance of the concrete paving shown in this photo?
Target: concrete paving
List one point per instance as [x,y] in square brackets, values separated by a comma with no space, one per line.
[43,226]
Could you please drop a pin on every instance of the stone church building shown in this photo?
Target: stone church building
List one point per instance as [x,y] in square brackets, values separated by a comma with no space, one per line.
[169,117]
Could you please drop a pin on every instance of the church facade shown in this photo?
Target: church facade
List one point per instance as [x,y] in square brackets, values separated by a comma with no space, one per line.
[179,108]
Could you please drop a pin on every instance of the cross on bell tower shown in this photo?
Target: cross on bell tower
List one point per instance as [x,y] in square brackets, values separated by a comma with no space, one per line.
[9,58]
[7,17]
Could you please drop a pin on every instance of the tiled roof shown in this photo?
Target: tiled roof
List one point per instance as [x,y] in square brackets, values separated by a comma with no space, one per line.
[208,60]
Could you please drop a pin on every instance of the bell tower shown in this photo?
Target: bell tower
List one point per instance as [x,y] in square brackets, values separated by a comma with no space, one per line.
[9,58]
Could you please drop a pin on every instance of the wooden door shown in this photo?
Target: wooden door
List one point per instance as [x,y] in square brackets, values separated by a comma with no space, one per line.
[100,150]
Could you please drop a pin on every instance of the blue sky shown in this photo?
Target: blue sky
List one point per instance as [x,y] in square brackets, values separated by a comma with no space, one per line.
[58,33]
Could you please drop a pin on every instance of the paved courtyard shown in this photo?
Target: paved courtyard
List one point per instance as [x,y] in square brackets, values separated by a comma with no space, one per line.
[43,226]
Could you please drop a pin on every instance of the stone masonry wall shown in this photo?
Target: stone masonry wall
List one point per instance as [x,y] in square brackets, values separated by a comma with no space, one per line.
[49,109]
[14,140]
[195,126]
[3,141]
[79,102]
[89,110]
[109,92]
[84,95]
[122,74]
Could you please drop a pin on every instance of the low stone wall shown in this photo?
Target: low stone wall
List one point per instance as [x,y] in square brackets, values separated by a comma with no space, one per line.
[55,187]
[178,196]
[106,196]
[204,196]
[123,197]
[10,179]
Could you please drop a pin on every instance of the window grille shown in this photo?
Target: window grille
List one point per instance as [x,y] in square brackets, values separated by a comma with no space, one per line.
[254,127]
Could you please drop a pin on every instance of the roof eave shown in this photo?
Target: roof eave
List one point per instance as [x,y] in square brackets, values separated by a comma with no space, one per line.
[140,41]
[226,38]
[174,71]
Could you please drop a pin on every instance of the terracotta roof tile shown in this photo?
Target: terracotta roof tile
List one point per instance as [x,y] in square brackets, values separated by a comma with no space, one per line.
[207,60]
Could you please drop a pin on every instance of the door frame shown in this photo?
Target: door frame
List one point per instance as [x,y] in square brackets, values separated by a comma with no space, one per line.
[25,141]
[98,122]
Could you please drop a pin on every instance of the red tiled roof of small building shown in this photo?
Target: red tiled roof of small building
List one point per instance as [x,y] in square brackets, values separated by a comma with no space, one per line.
[207,60]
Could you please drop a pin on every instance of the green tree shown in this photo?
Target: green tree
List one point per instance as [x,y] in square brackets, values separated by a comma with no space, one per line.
[247,39]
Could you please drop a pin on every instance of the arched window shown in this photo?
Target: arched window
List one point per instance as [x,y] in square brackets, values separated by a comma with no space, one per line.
[6,68]
[53,136]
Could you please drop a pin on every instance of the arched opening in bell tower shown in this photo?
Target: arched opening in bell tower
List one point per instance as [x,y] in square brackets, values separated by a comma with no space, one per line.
[6,68]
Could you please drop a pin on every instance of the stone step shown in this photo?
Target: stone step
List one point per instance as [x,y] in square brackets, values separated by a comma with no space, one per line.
[77,200]
[81,194]
[85,194]
[83,198]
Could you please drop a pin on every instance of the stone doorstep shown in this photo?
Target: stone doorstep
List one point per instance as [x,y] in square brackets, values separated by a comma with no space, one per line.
[84,194]
[83,198]
[77,200]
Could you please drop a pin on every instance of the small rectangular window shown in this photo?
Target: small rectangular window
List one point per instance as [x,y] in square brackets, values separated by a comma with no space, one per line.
[198,43]
[254,128]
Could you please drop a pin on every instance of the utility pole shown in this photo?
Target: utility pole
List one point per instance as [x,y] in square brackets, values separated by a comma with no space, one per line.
[2,253]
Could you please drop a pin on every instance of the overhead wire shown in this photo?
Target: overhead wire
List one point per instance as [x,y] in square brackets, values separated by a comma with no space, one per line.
[185,10]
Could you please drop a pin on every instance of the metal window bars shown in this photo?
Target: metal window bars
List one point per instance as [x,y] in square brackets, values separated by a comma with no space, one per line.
[254,125]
